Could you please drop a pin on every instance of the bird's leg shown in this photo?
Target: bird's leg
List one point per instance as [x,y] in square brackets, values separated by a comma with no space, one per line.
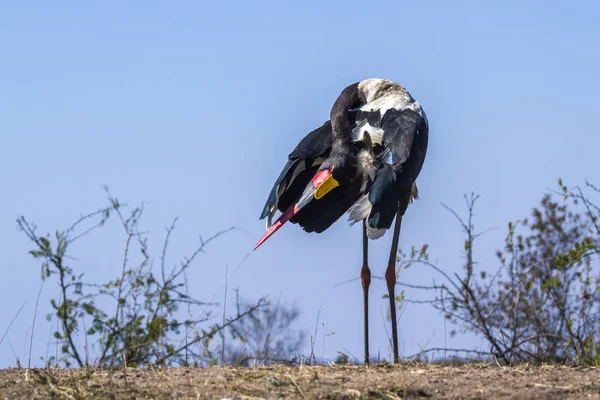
[390,278]
[365,279]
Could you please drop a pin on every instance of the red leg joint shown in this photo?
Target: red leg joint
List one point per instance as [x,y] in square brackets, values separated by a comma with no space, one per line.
[365,276]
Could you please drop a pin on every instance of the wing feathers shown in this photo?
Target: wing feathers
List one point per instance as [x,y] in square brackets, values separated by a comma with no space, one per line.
[274,194]
[308,154]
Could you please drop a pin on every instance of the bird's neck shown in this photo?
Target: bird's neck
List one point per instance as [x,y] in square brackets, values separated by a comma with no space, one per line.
[340,124]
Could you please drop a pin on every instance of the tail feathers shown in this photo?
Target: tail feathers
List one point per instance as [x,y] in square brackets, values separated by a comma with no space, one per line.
[359,210]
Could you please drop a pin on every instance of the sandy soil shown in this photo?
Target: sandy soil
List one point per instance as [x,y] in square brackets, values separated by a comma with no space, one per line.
[473,381]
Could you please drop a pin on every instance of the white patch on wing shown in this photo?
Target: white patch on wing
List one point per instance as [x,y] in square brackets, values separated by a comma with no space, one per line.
[376,133]
[366,163]
[299,168]
[318,161]
[359,210]
[272,211]
[373,233]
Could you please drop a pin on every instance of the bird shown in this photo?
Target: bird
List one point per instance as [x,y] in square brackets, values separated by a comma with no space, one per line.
[363,161]
[326,173]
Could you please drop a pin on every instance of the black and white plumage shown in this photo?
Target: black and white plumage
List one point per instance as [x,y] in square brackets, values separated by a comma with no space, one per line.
[332,153]
[367,158]
[398,130]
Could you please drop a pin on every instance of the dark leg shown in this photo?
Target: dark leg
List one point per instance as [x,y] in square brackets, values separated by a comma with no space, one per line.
[365,278]
[390,278]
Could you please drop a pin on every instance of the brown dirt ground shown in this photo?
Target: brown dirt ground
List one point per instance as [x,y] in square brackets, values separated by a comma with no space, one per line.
[416,381]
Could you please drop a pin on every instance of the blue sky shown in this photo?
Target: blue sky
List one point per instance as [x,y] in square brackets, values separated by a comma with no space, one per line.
[193,107]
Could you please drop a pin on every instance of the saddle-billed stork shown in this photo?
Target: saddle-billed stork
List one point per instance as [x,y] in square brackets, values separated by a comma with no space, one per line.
[364,160]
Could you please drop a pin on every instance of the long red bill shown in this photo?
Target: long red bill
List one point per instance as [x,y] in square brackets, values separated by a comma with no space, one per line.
[283,218]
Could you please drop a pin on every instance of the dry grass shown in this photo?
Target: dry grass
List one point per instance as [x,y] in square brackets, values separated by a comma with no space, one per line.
[384,381]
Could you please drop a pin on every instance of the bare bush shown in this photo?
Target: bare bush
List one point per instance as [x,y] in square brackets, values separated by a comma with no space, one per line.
[541,304]
[146,324]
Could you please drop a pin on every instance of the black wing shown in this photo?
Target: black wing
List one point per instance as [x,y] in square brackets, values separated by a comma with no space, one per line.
[317,216]
[404,146]
[301,166]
